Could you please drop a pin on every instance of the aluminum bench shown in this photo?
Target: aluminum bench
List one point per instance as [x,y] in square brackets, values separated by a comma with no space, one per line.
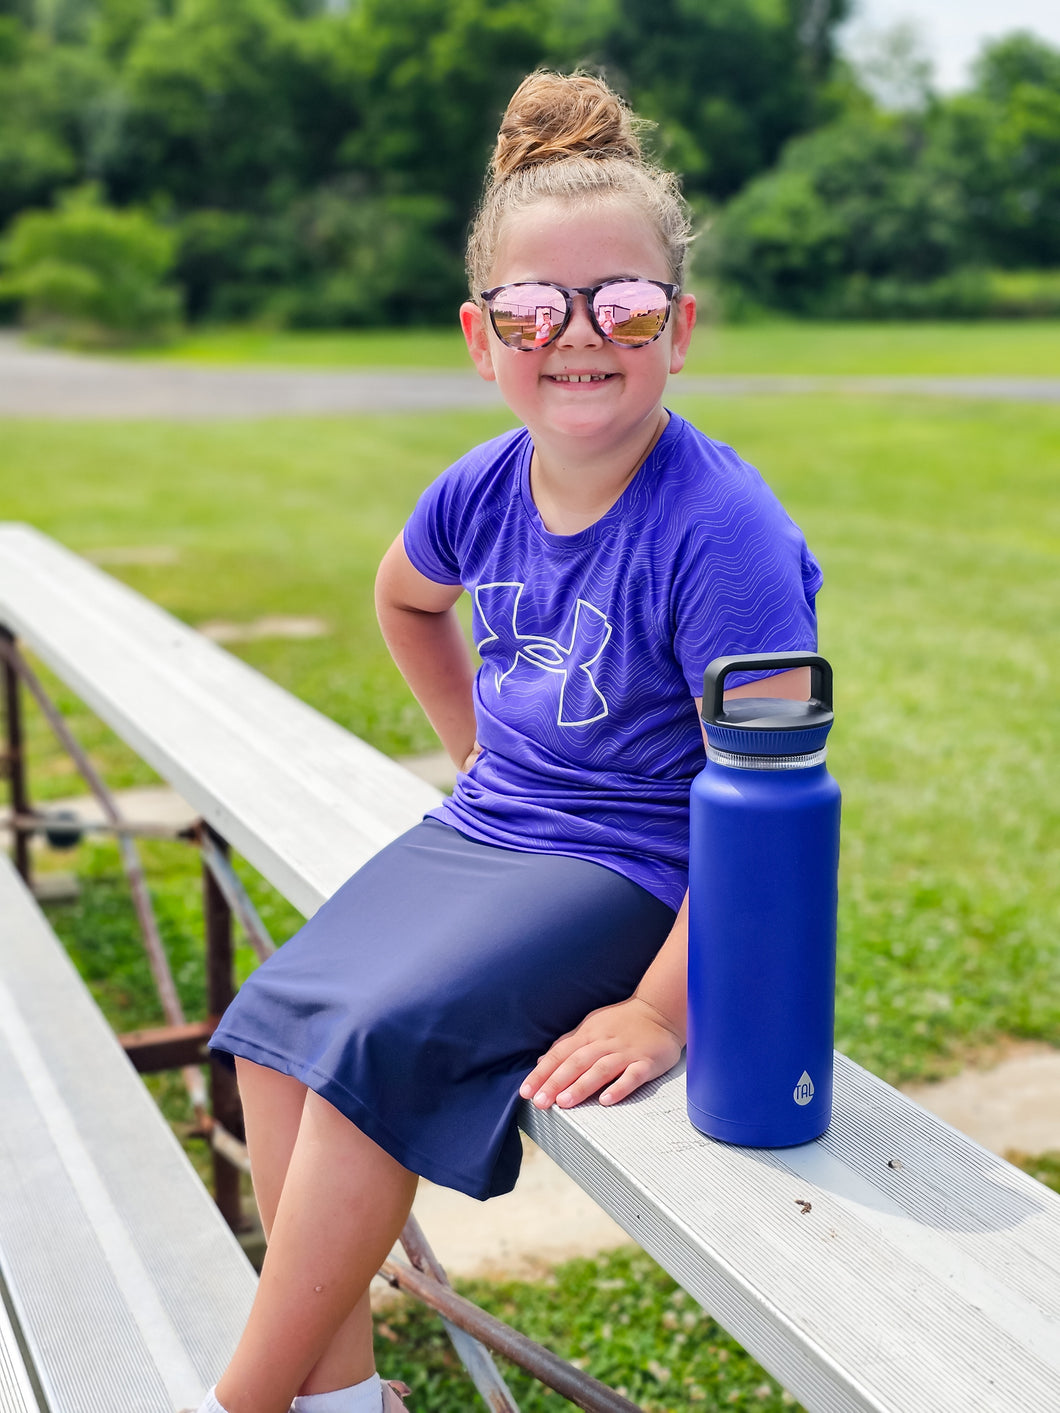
[122,1286]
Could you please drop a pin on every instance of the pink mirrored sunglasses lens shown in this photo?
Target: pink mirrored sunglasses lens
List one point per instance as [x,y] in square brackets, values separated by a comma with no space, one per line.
[528,316]
[631,312]
[628,312]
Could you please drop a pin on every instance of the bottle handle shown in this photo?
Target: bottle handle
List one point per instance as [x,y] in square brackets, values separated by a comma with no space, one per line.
[719,669]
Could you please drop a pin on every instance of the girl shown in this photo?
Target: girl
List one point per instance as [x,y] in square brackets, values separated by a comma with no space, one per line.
[528,938]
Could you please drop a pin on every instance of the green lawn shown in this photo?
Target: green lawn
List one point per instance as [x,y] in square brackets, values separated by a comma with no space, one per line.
[980,349]
[360,348]
[938,525]
[939,529]
[1028,348]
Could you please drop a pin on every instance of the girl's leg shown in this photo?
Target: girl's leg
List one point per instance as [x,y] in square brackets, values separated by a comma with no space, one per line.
[272,1113]
[272,1110]
[341,1206]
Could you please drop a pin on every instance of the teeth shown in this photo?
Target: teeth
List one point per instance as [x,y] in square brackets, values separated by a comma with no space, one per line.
[579,377]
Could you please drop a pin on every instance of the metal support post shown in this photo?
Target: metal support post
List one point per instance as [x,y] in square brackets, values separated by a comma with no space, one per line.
[235,895]
[15,761]
[577,1387]
[220,989]
[474,1355]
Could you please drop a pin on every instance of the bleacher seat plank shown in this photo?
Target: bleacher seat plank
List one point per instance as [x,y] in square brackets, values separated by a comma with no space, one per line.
[127,1288]
[930,1286]
[16,1389]
[927,1287]
[258,764]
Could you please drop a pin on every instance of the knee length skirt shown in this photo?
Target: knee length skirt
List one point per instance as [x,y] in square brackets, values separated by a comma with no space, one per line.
[420,995]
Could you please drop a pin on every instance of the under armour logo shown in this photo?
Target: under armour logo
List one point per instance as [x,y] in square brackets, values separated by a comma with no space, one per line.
[580,700]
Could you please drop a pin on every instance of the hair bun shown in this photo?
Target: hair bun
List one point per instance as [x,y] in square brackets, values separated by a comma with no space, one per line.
[552,116]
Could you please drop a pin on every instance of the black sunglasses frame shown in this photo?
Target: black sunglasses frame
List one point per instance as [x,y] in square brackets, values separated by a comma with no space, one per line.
[590,292]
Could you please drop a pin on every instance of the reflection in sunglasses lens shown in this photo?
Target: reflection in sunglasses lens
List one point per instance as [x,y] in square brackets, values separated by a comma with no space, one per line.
[528,316]
[631,312]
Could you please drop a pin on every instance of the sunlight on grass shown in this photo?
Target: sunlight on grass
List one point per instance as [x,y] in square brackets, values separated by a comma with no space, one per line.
[939,529]
[1029,348]
[352,348]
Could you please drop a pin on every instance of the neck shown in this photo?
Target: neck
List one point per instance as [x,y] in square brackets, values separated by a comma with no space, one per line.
[573,491]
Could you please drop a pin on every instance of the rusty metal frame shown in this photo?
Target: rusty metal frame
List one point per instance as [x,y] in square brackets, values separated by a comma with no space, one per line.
[426,1280]
[14,757]
[183,1044]
[473,1353]
[17,674]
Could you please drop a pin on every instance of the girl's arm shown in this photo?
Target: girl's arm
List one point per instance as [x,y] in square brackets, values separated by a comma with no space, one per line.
[624,1045]
[426,641]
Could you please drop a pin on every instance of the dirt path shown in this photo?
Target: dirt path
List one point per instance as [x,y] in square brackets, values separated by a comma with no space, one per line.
[36,382]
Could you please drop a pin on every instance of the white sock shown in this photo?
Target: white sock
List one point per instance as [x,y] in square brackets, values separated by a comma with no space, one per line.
[210,1403]
[365,1397]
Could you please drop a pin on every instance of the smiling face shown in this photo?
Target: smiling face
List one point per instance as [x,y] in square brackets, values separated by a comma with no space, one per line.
[582,396]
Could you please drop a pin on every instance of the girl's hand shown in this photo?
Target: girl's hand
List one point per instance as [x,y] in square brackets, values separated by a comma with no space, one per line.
[472,757]
[622,1046]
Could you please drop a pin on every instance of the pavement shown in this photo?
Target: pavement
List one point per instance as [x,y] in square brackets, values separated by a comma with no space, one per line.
[1011,1103]
[42,382]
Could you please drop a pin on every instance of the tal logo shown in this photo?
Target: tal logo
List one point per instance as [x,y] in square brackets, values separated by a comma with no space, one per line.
[803,1091]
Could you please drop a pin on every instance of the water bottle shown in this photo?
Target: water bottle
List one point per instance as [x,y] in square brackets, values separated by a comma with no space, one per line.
[763,864]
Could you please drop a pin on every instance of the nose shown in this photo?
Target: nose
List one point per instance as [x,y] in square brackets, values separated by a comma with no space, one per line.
[580,333]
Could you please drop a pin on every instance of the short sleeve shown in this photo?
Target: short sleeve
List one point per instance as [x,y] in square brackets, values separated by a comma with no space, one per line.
[429,538]
[455,516]
[749,589]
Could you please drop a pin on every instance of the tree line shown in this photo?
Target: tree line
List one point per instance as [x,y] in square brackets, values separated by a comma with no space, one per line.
[950,207]
[315,162]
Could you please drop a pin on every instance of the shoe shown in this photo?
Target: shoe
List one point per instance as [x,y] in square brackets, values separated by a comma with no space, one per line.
[394,1395]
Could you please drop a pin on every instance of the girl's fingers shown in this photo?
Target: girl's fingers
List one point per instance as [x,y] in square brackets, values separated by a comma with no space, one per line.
[606,1068]
[631,1078]
[617,1046]
[548,1064]
[559,1076]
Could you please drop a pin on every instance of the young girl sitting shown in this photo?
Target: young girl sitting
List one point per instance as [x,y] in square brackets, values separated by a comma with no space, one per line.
[528,938]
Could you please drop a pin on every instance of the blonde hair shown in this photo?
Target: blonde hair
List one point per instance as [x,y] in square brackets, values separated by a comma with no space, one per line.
[572,138]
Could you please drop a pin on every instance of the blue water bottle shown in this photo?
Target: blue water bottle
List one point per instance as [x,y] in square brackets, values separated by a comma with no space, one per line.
[763,864]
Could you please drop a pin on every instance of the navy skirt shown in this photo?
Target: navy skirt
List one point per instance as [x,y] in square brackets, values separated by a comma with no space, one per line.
[419,997]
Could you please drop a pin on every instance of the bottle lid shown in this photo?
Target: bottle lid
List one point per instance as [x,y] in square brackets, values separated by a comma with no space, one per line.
[768,726]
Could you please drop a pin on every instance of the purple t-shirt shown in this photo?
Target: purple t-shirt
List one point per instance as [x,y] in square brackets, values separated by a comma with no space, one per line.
[593,645]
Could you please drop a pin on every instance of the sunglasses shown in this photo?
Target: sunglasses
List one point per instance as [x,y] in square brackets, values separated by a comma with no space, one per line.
[531,314]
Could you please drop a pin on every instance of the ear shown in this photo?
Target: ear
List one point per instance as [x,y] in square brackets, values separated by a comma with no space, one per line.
[477,335]
[684,321]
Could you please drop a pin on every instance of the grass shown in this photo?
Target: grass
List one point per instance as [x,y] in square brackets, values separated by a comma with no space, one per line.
[1028,348]
[620,1318]
[987,348]
[1044,1167]
[358,348]
[939,529]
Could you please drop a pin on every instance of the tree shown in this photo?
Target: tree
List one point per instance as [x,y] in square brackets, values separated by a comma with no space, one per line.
[905,212]
[851,199]
[727,81]
[53,112]
[433,78]
[1004,139]
[208,107]
[88,272]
